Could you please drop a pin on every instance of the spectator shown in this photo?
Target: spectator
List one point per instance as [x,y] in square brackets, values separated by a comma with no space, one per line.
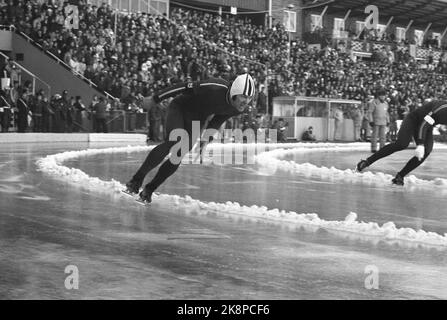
[14,93]
[357,118]
[338,121]
[70,114]
[155,118]
[5,112]
[393,125]
[261,102]
[164,114]
[23,113]
[57,105]
[48,115]
[308,135]
[13,72]
[281,127]
[95,100]
[101,115]
[366,128]
[80,114]
[37,114]
[404,109]
[379,119]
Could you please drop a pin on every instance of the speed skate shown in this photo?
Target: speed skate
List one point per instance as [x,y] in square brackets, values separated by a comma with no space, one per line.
[135,197]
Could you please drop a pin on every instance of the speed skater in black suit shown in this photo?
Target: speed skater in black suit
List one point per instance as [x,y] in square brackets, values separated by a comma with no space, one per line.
[212,102]
[418,124]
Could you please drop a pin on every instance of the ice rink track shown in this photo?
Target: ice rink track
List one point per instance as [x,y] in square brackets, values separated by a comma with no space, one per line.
[298,223]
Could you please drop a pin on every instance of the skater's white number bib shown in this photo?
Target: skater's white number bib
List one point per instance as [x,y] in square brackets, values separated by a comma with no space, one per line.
[429,120]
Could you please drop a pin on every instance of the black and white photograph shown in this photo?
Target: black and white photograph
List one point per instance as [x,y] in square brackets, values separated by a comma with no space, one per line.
[223,155]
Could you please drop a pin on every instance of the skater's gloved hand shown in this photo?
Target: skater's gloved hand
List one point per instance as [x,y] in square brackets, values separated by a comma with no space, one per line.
[371,124]
[419,152]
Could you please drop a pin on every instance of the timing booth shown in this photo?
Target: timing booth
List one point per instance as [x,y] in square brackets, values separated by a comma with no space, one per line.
[331,119]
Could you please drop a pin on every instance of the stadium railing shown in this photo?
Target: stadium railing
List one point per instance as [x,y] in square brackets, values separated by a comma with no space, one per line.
[33,77]
[59,61]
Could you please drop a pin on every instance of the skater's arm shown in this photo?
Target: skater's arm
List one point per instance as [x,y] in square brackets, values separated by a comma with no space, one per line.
[429,122]
[217,121]
[422,132]
[192,87]
[173,91]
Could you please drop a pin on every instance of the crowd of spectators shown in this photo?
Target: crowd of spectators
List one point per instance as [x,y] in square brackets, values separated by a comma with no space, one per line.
[148,52]
[144,53]
[29,111]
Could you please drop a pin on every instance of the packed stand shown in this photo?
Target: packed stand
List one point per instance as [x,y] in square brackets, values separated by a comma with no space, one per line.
[23,110]
[151,52]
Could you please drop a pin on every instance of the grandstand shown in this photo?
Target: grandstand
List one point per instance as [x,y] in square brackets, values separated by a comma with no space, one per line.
[127,50]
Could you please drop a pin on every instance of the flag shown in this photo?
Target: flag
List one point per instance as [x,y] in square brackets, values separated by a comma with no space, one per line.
[290,20]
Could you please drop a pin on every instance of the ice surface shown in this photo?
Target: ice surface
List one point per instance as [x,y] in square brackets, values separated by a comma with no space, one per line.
[183,248]
[54,164]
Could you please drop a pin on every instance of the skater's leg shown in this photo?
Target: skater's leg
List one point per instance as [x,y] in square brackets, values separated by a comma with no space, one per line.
[170,166]
[404,137]
[166,170]
[414,162]
[153,159]
[175,120]
[406,133]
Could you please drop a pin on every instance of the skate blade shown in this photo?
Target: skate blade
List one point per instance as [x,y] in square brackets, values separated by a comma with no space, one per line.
[396,186]
[136,197]
[142,202]
[126,192]
[139,200]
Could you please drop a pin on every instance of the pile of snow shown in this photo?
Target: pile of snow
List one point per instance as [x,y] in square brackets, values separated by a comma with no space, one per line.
[53,164]
[271,161]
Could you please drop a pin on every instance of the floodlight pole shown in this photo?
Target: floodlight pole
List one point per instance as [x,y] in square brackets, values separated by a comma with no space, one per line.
[386,27]
[347,15]
[426,29]
[443,35]
[408,26]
